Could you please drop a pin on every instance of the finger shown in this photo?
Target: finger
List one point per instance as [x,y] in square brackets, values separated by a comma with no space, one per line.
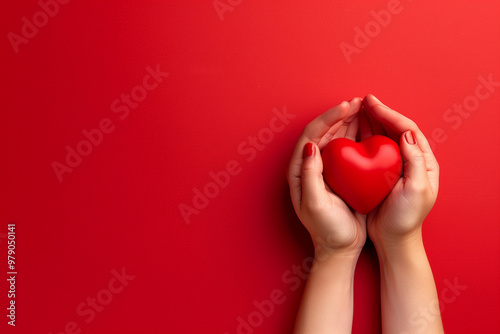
[294,182]
[388,117]
[433,173]
[313,132]
[365,128]
[326,122]
[415,170]
[349,125]
[313,186]
[352,128]
[342,131]
[385,129]
[396,124]
[377,127]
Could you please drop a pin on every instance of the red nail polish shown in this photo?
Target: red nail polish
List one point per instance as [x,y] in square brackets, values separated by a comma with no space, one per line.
[308,150]
[410,138]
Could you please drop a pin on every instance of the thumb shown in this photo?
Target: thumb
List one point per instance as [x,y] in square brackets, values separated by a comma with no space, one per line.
[415,170]
[312,175]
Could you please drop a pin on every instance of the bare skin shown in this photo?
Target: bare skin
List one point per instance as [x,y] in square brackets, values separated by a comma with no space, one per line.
[338,233]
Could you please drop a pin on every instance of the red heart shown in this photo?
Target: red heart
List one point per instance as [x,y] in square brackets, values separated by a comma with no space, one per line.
[363,173]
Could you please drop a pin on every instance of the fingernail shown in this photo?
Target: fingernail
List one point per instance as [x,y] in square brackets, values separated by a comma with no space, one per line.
[410,138]
[308,150]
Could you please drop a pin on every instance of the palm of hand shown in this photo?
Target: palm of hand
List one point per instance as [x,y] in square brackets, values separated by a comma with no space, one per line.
[391,218]
[336,226]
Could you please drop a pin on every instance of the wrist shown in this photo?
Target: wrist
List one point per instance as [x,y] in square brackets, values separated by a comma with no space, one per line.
[339,265]
[324,253]
[339,260]
[393,233]
[401,248]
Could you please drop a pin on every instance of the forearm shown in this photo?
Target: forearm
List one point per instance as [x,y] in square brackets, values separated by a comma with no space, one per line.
[327,301]
[408,293]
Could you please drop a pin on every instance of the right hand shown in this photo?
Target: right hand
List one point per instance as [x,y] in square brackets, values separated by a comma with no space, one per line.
[333,226]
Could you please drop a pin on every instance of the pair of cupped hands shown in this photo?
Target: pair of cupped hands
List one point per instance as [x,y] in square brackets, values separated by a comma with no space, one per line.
[333,226]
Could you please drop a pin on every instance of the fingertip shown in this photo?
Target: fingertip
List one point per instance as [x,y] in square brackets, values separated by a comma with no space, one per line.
[409,148]
[410,137]
[309,150]
[356,103]
[311,157]
[371,100]
[344,106]
[312,182]
[342,109]
[368,99]
[415,171]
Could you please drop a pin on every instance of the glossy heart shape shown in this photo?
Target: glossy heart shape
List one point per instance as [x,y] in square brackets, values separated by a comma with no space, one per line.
[363,173]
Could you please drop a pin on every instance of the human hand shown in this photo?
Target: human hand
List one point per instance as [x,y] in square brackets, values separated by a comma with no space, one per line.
[333,226]
[399,217]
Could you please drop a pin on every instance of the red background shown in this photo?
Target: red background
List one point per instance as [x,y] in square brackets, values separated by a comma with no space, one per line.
[120,207]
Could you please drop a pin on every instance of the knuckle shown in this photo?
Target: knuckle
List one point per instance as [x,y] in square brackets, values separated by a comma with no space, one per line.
[307,130]
[418,159]
[413,126]
[418,156]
